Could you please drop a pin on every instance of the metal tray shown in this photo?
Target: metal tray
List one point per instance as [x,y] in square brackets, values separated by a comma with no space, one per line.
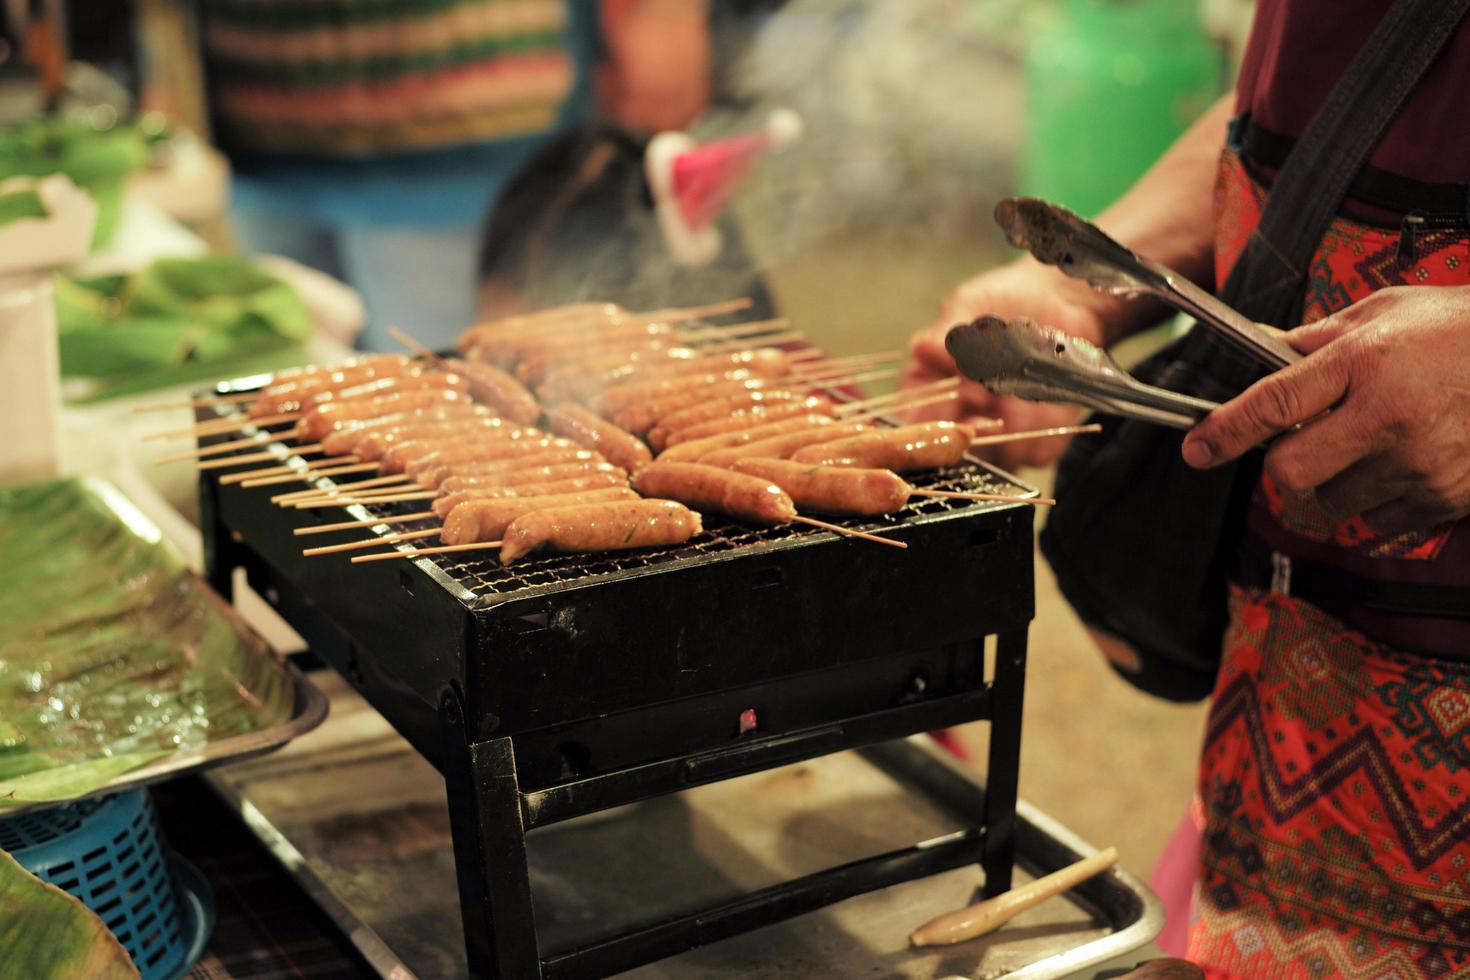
[379,861]
[308,708]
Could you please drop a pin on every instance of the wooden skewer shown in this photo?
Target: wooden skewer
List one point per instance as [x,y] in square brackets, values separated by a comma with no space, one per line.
[214,449]
[849,362]
[849,532]
[677,314]
[345,501]
[270,481]
[315,449]
[751,329]
[421,552]
[282,470]
[217,427]
[388,484]
[248,396]
[943,396]
[904,393]
[1060,430]
[370,522]
[332,549]
[766,340]
[991,914]
[964,495]
[418,348]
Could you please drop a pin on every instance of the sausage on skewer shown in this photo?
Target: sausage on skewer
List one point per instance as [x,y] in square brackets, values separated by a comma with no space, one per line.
[923,446]
[750,418]
[485,519]
[783,445]
[434,476]
[615,526]
[738,495]
[496,388]
[583,427]
[692,450]
[833,489]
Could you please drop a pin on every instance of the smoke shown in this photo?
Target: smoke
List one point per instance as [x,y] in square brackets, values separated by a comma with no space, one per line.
[912,114]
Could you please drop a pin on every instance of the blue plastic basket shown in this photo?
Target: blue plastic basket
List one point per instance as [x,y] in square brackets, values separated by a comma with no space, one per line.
[109,854]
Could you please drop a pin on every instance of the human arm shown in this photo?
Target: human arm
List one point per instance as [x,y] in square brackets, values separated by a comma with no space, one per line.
[1383,401]
[1167,215]
[657,72]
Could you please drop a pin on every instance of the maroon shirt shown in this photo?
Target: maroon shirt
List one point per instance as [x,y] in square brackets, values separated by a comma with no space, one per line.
[1299,49]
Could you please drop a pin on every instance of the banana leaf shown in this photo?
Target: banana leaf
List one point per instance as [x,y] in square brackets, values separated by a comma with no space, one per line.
[46,934]
[97,161]
[111,656]
[175,321]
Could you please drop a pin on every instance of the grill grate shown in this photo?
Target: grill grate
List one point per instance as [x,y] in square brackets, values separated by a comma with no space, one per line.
[486,578]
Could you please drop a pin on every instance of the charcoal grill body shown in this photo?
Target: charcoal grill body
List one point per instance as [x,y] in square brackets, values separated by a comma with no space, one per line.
[575,685]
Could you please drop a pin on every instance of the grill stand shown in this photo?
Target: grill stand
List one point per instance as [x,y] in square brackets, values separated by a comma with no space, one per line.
[491,808]
[487,810]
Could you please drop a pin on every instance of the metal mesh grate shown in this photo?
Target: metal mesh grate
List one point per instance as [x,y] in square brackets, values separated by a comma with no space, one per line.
[486,578]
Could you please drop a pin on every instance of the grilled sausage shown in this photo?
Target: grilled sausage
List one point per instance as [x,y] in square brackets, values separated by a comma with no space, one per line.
[401,453]
[486,518]
[748,419]
[374,443]
[496,388]
[624,396]
[691,450]
[585,382]
[615,526]
[484,452]
[737,495]
[903,449]
[570,484]
[644,415]
[832,489]
[435,476]
[583,427]
[315,424]
[572,316]
[782,446]
[286,392]
[308,372]
[350,435]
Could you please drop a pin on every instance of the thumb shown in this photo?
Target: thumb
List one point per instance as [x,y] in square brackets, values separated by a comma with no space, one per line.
[1311,337]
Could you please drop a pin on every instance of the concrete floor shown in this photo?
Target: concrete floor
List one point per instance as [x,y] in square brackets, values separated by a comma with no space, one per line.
[1115,765]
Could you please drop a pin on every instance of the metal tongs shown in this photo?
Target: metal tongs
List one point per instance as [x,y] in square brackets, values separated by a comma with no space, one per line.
[1021,357]
[1079,248]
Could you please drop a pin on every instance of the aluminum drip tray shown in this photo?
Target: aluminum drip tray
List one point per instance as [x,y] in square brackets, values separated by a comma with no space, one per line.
[380,862]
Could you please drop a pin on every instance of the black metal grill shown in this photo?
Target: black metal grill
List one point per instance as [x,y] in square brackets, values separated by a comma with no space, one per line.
[568,684]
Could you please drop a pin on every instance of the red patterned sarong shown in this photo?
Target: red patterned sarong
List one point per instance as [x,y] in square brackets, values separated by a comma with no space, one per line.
[1335,777]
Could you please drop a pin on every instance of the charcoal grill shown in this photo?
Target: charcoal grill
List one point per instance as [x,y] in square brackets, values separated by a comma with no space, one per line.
[572,684]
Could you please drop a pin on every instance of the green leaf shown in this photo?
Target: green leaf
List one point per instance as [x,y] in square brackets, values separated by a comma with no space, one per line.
[21,204]
[45,933]
[70,782]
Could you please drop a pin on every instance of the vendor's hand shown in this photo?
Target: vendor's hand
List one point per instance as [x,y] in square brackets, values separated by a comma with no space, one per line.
[1022,288]
[1392,374]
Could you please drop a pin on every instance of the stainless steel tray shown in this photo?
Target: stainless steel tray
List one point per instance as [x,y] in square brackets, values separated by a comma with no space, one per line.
[379,862]
[308,704]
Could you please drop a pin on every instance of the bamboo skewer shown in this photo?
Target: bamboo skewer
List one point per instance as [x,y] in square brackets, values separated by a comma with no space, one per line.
[991,914]
[869,415]
[248,396]
[216,427]
[1060,430]
[215,449]
[392,483]
[848,532]
[752,330]
[902,394]
[270,481]
[677,314]
[333,549]
[314,449]
[446,549]
[346,501]
[966,495]
[370,522]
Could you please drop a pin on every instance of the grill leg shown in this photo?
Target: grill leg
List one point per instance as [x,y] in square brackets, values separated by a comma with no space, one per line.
[489,854]
[1004,765]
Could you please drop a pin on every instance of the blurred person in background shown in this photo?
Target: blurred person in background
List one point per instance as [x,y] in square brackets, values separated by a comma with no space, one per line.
[369,137]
